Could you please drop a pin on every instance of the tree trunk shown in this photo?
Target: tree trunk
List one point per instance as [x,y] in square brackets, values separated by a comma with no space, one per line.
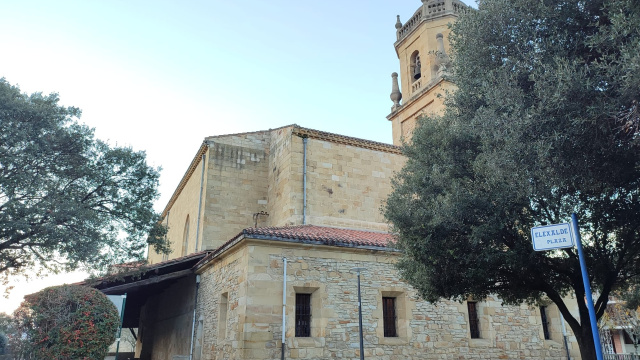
[584,337]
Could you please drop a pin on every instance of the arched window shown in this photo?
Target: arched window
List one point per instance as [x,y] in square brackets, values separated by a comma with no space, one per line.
[416,66]
[185,237]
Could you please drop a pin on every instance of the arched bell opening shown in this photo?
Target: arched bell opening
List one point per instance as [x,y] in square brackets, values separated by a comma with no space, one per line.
[416,66]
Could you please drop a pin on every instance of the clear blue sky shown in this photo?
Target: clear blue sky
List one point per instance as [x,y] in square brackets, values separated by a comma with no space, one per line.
[161,75]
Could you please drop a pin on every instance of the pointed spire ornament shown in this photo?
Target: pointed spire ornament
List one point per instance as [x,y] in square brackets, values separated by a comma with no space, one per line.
[442,60]
[398,22]
[396,95]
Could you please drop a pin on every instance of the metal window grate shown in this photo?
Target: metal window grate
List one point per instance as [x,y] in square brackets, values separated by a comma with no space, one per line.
[474,324]
[545,322]
[303,315]
[389,316]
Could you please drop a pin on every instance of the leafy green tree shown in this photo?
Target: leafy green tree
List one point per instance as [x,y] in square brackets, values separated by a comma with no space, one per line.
[5,322]
[67,199]
[6,327]
[544,123]
[67,322]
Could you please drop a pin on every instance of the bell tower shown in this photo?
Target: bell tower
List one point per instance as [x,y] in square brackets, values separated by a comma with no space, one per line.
[421,46]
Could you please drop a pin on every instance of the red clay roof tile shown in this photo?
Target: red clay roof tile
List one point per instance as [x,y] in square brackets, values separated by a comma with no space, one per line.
[325,235]
[319,234]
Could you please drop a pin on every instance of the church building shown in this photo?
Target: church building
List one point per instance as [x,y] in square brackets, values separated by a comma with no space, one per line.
[278,237]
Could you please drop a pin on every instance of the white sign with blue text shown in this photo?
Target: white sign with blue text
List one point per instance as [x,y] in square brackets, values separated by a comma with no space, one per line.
[551,237]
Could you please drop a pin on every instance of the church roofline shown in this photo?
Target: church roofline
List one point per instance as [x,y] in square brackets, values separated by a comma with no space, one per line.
[323,135]
[346,140]
[310,235]
[296,130]
[143,274]
[214,137]
[183,181]
[137,277]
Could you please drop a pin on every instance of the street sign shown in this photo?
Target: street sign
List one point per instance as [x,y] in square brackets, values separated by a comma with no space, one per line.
[567,235]
[551,237]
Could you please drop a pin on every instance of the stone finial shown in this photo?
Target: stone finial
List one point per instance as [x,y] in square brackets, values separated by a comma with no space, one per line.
[440,39]
[442,59]
[396,95]
[398,22]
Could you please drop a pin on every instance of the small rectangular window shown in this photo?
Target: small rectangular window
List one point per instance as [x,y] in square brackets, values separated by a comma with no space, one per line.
[303,315]
[474,323]
[545,322]
[389,316]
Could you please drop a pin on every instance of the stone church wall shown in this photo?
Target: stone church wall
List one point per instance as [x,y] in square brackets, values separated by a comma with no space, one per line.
[236,186]
[222,307]
[425,331]
[285,184]
[262,173]
[347,185]
[185,206]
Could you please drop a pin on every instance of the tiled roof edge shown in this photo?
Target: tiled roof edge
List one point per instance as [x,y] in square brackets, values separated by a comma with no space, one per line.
[247,234]
[346,140]
[319,242]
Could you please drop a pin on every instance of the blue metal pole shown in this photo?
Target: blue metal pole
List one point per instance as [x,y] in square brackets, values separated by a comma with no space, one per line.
[587,289]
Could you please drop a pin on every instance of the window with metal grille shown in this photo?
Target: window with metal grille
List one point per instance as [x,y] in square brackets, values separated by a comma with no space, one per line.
[389,316]
[474,323]
[303,315]
[545,322]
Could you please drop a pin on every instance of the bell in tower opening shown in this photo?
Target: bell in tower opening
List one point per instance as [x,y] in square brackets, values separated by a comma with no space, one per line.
[415,66]
[421,44]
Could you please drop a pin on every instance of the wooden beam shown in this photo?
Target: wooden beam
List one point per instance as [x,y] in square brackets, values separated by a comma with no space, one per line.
[140,283]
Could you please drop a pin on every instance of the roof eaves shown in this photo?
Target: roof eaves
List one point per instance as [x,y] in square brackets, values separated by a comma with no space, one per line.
[336,243]
[214,137]
[215,253]
[346,140]
[244,234]
[143,270]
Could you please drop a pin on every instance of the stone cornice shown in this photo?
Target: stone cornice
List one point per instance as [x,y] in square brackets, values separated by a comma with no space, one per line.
[425,90]
[346,140]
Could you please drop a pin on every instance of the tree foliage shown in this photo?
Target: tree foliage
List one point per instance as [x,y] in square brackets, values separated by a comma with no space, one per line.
[67,199]
[3,343]
[619,317]
[544,123]
[65,322]
[6,328]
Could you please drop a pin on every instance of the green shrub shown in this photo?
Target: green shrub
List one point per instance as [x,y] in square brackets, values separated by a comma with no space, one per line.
[67,322]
